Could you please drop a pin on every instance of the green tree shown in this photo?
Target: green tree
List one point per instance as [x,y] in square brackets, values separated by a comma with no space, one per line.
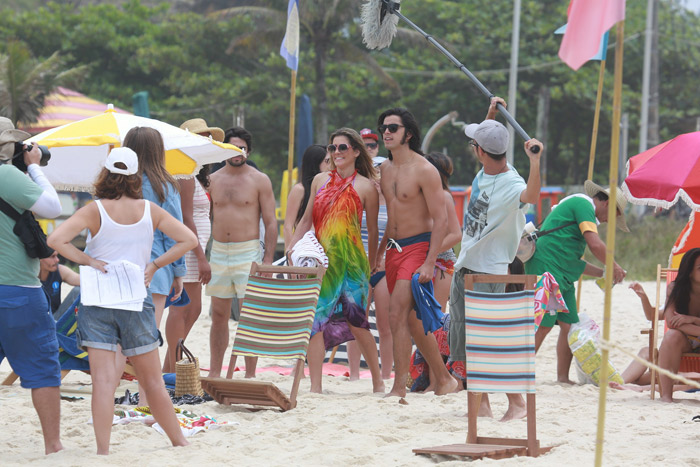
[25,81]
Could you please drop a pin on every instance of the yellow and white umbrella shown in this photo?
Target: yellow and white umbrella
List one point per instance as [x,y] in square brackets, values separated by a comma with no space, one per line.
[78,149]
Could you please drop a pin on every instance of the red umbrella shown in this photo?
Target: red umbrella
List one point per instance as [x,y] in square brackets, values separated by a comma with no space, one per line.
[664,173]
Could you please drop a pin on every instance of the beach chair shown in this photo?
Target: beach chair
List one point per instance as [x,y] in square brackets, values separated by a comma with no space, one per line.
[276,318]
[689,361]
[500,341]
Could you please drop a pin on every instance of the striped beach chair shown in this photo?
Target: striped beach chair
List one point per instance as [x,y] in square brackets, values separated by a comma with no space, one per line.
[500,348]
[276,318]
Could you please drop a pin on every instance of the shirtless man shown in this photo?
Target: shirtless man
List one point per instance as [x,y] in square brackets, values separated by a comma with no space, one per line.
[240,194]
[416,225]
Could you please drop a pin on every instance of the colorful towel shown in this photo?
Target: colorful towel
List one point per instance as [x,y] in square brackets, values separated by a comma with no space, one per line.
[190,423]
[548,298]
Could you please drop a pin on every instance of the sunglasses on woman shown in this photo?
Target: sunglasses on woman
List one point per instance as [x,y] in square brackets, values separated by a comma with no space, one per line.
[392,127]
[340,147]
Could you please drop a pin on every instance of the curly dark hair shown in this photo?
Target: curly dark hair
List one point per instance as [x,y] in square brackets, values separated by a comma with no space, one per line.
[113,186]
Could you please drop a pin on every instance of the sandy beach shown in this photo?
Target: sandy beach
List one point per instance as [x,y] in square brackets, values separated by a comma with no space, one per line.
[348,425]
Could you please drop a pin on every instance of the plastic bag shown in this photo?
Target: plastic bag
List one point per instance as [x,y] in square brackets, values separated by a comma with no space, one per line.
[583,341]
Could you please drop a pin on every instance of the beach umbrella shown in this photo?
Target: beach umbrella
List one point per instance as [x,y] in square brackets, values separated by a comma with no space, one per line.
[78,149]
[63,106]
[661,175]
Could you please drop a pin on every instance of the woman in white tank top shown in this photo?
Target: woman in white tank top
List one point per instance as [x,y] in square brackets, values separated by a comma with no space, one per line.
[120,228]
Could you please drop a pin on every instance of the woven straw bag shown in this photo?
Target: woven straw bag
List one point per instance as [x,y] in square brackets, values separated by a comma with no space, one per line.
[186,372]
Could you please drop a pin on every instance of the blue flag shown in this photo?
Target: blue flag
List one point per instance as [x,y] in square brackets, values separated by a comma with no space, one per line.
[290,44]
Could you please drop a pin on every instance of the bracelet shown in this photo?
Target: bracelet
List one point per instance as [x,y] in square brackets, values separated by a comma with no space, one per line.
[155,264]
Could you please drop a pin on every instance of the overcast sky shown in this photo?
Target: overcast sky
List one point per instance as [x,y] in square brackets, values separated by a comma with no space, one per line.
[693,5]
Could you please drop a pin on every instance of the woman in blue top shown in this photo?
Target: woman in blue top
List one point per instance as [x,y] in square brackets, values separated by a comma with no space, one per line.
[160,188]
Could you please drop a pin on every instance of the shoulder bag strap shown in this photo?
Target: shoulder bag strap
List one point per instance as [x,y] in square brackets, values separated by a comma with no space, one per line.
[9,210]
[545,232]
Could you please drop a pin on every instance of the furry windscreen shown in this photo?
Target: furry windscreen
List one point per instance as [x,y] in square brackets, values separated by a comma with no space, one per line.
[378,25]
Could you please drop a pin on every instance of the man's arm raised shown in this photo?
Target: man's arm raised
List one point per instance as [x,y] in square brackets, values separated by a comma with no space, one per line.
[531,194]
[431,186]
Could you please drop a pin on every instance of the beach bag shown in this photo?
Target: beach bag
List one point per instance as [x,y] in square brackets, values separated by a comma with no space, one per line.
[29,231]
[186,372]
[583,341]
[528,240]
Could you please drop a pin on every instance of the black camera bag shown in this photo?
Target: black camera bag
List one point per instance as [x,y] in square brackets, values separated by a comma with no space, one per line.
[29,231]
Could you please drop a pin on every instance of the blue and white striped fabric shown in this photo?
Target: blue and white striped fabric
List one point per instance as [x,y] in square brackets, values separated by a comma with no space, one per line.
[381,225]
[500,341]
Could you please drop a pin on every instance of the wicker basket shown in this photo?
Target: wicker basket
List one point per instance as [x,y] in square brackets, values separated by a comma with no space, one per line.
[186,372]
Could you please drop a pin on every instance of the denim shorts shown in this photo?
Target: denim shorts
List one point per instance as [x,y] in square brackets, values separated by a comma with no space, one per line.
[105,328]
[28,336]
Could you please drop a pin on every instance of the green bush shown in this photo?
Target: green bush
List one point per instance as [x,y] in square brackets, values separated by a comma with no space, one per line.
[649,243]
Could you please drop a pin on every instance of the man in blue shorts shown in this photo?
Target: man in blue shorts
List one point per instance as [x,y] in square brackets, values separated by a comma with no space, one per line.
[27,328]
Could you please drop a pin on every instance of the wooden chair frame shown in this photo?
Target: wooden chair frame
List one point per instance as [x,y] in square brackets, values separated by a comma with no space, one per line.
[496,448]
[230,391]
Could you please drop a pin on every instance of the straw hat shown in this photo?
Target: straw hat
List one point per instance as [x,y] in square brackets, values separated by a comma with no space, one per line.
[592,189]
[198,125]
[8,137]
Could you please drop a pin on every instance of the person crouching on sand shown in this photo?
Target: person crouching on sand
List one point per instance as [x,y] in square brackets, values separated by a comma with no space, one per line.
[121,226]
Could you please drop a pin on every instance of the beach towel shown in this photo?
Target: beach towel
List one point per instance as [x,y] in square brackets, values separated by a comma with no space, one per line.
[190,423]
[548,298]
[307,252]
[428,310]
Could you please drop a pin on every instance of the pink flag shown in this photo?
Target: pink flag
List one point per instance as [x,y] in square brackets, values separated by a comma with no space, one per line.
[588,21]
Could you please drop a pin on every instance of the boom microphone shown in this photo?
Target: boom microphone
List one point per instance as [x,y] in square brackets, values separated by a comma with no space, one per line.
[379,22]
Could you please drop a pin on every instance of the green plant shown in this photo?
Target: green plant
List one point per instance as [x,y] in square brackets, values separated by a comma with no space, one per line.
[649,243]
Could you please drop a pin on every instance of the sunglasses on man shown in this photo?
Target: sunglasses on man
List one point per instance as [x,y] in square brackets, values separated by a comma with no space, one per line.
[392,127]
[372,145]
[339,147]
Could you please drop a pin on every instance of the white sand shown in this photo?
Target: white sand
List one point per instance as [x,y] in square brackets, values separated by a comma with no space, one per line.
[348,425]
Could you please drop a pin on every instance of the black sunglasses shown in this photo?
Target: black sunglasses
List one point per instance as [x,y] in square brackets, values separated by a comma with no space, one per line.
[473,143]
[340,147]
[392,127]
[372,145]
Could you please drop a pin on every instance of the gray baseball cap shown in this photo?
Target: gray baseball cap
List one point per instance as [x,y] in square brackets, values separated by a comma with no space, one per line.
[491,135]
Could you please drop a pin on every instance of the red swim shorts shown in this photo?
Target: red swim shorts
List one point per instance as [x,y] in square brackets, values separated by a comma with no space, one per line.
[402,265]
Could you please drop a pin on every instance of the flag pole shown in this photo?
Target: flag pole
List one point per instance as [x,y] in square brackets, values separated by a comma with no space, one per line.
[591,157]
[292,118]
[610,240]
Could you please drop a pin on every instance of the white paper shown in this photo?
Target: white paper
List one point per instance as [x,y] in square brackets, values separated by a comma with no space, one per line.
[121,287]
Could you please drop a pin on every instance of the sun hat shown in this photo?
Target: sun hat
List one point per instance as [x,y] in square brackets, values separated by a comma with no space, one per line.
[198,125]
[8,137]
[490,135]
[124,155]
[592,189]
[367,133]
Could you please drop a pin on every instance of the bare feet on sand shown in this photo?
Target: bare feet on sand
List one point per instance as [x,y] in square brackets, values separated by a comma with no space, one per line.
[565,381]
[452,385]
[378,387]
[629,387]
[514,412]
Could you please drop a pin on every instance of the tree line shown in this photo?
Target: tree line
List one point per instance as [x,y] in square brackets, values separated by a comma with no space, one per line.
[221,58]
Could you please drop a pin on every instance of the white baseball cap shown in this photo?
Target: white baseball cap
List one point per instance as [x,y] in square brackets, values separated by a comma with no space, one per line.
[124,155]
[490,135]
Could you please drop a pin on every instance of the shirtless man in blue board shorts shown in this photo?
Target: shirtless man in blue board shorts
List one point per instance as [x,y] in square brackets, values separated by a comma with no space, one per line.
[240,194]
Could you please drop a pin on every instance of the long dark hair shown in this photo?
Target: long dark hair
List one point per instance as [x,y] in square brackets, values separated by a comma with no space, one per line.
[444,166]
[680,295]
[310,167]
[410,125]
[363,163]
[148,145]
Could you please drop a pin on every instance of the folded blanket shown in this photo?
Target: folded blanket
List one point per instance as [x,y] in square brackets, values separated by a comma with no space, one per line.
[307,252]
